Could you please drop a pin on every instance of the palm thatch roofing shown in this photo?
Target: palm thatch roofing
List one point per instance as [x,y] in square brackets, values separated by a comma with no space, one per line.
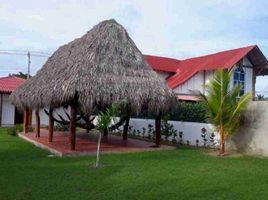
[101,67]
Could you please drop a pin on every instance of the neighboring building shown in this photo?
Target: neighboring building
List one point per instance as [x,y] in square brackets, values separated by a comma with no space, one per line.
[184,76]
[9,115]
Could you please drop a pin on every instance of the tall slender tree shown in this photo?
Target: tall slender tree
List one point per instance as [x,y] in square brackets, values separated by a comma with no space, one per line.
[224,104]
[104,120]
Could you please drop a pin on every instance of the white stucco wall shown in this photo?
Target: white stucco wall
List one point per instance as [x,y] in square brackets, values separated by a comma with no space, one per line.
[44,117]
[191,130]
[8,112]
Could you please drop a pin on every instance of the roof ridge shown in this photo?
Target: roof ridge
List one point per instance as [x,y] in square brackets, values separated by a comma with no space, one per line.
[211,54]
[163,57]
[12,76]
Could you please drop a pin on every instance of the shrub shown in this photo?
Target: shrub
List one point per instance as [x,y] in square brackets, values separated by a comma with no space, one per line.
[181,137]
[168,129]
[61,127]
[204,136]
[182,111]
[189,112]
[30,129]
[19,127]
[11,131]
[197,143]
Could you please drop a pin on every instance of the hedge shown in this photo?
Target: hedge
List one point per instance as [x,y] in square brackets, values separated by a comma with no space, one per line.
[189,112]
[183,111]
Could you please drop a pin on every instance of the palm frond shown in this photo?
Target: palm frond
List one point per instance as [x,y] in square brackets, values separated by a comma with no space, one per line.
[223,102]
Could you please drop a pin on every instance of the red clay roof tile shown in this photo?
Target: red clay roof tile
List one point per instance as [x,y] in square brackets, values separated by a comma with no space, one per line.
[10,83]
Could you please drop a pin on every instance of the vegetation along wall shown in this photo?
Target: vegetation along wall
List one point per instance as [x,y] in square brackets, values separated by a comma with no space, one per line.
[188,133]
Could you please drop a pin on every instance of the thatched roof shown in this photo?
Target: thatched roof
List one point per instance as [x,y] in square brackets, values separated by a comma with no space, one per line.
[102,67]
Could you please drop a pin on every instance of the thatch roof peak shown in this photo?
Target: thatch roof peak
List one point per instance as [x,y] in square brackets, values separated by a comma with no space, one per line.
[103,66]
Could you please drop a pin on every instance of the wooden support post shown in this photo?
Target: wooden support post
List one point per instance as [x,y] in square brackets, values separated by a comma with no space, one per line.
[50,125]
[125,131]
[26,121]
[73,114]
[157,130]
[37,123]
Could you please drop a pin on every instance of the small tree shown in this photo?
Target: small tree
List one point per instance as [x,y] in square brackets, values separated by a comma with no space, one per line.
[204,136]
[104,120]
[224,104]
[167,129]
[261,97]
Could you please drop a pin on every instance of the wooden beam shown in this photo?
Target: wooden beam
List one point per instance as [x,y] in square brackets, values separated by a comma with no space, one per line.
[37,123]
[26,121]
[125,129]
[158,130]
[1,108]
[50,125]
[73,114]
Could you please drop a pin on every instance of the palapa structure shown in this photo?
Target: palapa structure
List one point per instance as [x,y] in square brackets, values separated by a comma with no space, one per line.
[102,67]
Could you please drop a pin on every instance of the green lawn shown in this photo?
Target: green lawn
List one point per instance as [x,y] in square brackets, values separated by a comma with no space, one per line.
[26,172]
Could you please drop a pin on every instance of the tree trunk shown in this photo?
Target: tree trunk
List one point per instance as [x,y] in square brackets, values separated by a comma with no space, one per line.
[105,132]
[125,131]
[158,130]
[222,141]
[98,151]
[37,125]
[50,125]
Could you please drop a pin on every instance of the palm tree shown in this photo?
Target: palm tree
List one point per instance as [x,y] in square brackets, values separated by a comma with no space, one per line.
[224,104]
[104,120]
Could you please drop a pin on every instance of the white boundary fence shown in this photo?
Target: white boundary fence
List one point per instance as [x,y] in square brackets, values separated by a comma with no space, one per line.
[190,131]
[187,132]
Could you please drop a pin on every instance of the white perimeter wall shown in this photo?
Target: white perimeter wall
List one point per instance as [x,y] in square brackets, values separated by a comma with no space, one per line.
[44,117]
[191,130]
[8,112]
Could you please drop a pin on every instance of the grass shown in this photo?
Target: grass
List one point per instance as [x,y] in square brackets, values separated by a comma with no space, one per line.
[27,172]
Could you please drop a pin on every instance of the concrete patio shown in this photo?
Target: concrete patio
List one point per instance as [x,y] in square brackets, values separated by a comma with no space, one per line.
[86,144]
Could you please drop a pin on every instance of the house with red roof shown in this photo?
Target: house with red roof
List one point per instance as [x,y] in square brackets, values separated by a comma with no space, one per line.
[184,76]
[9,115]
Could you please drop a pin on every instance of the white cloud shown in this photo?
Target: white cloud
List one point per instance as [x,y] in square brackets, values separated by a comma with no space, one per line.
[179,29]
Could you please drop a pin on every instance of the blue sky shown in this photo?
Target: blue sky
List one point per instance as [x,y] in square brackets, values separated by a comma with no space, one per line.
[178,28]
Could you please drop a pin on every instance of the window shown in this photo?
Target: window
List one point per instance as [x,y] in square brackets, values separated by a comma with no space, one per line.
[239,79]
